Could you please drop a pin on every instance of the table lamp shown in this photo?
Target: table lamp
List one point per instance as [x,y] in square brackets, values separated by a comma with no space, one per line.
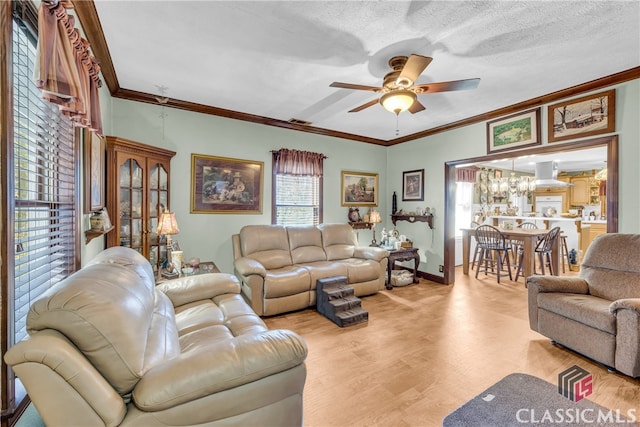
[374,218]
[167,226]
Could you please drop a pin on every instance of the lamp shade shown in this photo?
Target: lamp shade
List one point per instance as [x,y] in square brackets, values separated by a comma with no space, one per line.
[374,216]
[398,100]
[167,224]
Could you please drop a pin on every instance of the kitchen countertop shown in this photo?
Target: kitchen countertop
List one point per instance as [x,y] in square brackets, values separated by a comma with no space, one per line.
[594,221]
[538,218]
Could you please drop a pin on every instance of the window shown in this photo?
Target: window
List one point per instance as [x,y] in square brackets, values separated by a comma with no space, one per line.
[297,187]
[297,200]
[464,203]
[43,160]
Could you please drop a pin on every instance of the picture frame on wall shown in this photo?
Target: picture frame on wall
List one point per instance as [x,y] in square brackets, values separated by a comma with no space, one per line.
[222,185]
[413,185]
[515,131]
[580,117]
[94,147]
[359,189]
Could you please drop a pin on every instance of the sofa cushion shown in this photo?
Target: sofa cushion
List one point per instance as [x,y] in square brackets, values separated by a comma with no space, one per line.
[305,243]
[267,244]
[286,281]
[339,241]
[611,266]
[362,270]
[585,309]
[324,269]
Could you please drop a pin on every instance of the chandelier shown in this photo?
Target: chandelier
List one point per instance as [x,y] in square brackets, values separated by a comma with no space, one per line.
[513,185]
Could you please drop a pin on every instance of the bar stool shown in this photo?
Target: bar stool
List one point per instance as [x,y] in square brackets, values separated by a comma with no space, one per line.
[565,251]
[491,240]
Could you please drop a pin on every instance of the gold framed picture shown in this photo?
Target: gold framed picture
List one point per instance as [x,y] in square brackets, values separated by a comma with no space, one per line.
[226,186]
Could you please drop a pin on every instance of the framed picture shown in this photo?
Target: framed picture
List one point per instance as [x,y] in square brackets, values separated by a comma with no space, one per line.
[514,131]
[586,116]
[224,185]
[359,189]
[413,185]
[94,170]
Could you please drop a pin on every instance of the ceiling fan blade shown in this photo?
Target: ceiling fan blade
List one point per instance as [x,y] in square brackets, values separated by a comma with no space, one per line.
[447,86]
[354,86]
[414,67]
[416,107]
[363,106]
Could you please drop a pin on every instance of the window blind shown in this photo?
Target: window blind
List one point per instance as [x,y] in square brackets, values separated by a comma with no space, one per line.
[297,200]
[44,163]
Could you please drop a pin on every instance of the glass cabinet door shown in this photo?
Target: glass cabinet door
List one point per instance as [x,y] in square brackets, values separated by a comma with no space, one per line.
[158,202]
[131,199]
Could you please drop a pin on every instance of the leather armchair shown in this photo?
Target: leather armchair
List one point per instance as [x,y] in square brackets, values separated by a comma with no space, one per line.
[108,347]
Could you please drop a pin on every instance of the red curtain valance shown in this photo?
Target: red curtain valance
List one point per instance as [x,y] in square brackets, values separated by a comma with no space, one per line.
[298,163]
[466,174]
[65,70]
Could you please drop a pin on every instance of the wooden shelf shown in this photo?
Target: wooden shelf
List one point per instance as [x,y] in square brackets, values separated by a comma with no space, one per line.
[413,218]
[92,234]
[360,225]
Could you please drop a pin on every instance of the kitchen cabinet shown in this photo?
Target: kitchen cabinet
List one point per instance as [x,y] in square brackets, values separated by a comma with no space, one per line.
[590,230]
[580,191]
[138,177]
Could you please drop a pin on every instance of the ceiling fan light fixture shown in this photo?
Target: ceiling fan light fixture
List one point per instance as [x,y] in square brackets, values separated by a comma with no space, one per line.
[398,100]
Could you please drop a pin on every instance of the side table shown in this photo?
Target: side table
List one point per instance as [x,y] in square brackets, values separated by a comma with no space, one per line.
[204,268]
[407,254]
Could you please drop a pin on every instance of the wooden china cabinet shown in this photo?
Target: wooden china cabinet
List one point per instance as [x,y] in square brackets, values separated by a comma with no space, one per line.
[138,177]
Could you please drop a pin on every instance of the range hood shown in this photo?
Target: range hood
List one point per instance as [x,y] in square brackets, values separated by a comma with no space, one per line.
[547,175]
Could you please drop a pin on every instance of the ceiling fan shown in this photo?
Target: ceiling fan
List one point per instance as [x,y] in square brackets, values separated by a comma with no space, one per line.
[398,90]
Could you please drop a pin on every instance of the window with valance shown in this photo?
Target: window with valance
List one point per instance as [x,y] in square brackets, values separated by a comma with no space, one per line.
[297,187]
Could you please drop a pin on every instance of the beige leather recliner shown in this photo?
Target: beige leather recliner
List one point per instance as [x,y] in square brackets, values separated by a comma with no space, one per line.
[106,347]
[598,313]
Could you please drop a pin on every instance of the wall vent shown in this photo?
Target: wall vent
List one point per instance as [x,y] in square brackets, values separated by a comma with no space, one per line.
[299,122]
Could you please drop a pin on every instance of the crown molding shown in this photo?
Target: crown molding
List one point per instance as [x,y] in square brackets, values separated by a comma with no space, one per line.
[88,16]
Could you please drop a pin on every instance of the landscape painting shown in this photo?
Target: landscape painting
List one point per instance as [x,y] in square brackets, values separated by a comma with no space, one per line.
[586,116]
[515,131]
[359,189]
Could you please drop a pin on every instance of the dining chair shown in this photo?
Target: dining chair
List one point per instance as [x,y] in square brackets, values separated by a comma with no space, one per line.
[517,245]
[476,252]
[491,241]
[542,252]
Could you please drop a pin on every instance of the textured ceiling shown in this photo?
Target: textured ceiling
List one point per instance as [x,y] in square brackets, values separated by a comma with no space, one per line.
[276,59]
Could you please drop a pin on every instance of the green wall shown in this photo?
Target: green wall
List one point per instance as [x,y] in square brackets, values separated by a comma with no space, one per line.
[209,236]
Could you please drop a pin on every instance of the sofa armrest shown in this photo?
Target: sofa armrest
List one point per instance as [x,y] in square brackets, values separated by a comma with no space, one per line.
[541,284]
[569,285]
[627,312]
[369,252]
[185,290]
[248,266]
[632,304]
[219,366]
[62,383]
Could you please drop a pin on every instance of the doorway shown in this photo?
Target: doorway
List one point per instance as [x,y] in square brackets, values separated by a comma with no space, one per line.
[610,142]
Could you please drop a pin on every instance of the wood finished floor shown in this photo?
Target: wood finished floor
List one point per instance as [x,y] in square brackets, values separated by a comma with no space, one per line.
[427,349]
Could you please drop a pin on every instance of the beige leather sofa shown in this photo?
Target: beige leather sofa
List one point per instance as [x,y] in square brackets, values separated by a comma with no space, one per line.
[109,348]
[279,266]
[597,313]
